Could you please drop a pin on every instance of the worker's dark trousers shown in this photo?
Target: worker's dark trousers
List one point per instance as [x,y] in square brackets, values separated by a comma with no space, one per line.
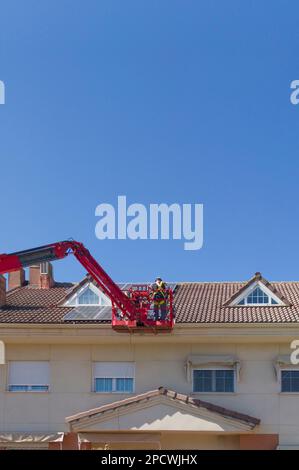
[160,311]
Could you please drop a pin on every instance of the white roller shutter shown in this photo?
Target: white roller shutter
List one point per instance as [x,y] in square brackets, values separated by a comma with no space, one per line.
[114,369]
[29,373]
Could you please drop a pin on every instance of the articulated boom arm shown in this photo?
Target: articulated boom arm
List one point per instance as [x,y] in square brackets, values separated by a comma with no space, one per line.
[59,250]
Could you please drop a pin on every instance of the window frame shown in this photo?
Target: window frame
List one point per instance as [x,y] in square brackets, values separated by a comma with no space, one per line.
[288,369]
[114,388]
[265,290]
[99,304]
[257,304]
[29,388]
[113,377]
[215,368]
[73,301]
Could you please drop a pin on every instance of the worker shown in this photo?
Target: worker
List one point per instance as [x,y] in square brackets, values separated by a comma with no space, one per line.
[159,296]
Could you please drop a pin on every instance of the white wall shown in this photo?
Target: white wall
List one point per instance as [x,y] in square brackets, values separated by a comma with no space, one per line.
[257,394]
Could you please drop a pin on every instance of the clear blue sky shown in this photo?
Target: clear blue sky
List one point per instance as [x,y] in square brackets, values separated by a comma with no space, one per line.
[162,101]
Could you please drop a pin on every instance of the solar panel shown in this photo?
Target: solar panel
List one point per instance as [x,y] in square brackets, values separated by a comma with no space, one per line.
[127,286]
[99,312]
[86,312]
[172,285]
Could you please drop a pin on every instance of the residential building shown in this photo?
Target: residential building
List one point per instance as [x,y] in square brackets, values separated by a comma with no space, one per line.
[222,379]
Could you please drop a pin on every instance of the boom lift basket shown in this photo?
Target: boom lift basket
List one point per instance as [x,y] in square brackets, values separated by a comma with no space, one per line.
[145,318]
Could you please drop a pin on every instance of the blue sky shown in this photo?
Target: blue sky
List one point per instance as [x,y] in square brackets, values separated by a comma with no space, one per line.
[162,101]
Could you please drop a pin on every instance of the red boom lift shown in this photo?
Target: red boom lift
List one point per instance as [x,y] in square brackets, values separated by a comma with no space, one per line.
[131,311]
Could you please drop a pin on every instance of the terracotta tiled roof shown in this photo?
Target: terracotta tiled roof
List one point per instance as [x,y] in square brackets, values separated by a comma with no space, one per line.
[204,303]
[162,391]
[33,305]
[199,302]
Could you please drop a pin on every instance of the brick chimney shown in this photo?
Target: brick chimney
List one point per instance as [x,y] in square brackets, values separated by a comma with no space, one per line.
[46,275]
[16,279]
[2,291]
[34,276]
[41,276]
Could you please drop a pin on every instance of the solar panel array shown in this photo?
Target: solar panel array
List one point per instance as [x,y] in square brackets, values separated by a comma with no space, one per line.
[89,312]
[123,286]
[99,312]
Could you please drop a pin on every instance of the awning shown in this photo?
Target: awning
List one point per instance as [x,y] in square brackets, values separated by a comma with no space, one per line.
[194,361]
[281,362]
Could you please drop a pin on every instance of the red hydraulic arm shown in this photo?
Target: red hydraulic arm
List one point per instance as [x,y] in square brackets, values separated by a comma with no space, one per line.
[59,250]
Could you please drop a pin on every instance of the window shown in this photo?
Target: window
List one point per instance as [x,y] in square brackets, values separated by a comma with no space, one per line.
[258,297]
[110,385]
[290,380]
[124,385]
[103,384]
[45,267]
[28,388]
[88,297]
[214,380]
[88,294]
[28,376]
[113,377]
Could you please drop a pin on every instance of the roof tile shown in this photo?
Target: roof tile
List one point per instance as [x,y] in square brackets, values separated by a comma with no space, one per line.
[200,302]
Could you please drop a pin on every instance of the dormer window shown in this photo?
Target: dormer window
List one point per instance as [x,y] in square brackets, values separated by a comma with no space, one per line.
[257,292]
[88,297]
[258,297]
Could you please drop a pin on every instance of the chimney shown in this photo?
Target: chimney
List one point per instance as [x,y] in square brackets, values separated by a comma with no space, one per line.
[16,279]
[41,276]
[34,276]
[2,291]
[46,275]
